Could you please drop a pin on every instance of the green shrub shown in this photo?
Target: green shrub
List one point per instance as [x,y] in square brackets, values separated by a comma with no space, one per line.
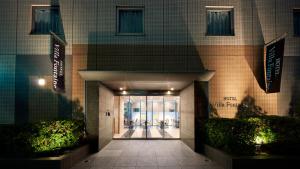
[277,135]
[42,138]
[55,135]
[232,135]
[282,134]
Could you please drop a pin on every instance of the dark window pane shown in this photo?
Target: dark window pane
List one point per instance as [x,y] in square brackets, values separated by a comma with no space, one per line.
[130,21]
[41,20]
[46,19]
[297,23]
[219,23]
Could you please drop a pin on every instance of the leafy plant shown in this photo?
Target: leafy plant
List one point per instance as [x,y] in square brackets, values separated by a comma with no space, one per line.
[55,135]
[42,138]
[248,108]
[213,112]
[277,135]
[231,135]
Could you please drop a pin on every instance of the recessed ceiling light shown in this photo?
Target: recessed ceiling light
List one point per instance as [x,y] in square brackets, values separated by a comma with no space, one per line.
[121,88]
[41,82]
[172,88]
[124,92]
[168,92]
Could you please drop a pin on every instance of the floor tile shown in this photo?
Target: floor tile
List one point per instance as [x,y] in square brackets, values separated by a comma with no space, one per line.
[169,167]
[167,161]
[146,167]
[146,154]
[126,162]
[108,153]
[123,167]
[147,161]
[104,161]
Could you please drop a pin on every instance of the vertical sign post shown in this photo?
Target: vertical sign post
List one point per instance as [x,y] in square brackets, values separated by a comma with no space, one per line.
[58,63]
[273,61]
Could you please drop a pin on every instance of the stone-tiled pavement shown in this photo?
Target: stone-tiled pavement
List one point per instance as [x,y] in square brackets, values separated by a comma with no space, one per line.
[146,154]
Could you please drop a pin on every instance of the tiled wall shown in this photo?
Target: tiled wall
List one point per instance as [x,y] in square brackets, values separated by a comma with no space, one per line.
[174,41]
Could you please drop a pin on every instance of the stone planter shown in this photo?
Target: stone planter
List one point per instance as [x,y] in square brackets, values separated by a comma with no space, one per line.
[65,161]
[250,162]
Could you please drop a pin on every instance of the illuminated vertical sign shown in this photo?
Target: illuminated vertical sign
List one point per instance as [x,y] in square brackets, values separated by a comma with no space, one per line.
[58,63]
[273,60]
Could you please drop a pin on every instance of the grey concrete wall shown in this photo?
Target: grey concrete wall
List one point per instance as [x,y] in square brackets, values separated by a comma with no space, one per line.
[187,116]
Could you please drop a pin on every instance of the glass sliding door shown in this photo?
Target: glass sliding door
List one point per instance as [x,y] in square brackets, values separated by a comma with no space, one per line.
[126,126]
[155,116]
[172,117]
[139,116]
[150,117]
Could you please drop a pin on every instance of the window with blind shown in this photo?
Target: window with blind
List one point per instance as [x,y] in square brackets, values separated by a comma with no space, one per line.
[130,21]
[46,19]
[220,22]
[297,22]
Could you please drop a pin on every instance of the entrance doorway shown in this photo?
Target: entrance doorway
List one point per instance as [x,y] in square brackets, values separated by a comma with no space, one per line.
[149,117]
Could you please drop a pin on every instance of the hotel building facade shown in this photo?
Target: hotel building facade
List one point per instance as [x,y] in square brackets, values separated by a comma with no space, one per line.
[145,68]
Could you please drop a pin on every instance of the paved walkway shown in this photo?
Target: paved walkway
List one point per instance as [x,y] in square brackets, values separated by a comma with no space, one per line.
[146,154]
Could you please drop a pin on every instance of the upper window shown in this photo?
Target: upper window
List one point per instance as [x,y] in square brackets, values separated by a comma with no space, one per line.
[297,22]
[220,22]
[45,19]
[130,21]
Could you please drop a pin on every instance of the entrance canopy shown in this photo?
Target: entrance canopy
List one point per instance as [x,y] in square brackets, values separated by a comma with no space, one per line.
[145,80]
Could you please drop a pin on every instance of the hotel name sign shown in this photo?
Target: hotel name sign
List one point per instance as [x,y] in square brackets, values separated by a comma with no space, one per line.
[58,64]
[273,61]
[227,102]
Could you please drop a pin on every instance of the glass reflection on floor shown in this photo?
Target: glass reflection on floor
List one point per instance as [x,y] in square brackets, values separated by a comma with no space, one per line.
[149,117]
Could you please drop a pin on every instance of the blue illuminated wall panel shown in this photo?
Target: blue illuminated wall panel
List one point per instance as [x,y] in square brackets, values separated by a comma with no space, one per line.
[7,89]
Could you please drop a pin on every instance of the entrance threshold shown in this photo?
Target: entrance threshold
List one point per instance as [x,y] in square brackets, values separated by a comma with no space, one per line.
[146,139]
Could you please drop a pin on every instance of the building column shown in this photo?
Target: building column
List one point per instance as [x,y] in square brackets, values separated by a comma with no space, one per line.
[92,113]
[193,113]
[201,103]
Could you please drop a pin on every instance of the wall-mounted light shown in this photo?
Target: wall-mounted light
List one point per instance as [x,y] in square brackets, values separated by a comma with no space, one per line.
[168,92]
[124,92]
[41,82]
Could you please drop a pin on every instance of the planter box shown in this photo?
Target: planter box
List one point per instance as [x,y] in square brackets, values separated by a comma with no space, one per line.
[250,162]
[65,161]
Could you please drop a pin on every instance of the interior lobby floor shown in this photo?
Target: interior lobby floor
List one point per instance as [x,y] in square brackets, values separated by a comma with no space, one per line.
[146,154]
[153,132]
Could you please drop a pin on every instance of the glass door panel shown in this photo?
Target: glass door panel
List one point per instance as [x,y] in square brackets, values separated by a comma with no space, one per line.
[138,116]
[126,129]
[172,118]
[155,116]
